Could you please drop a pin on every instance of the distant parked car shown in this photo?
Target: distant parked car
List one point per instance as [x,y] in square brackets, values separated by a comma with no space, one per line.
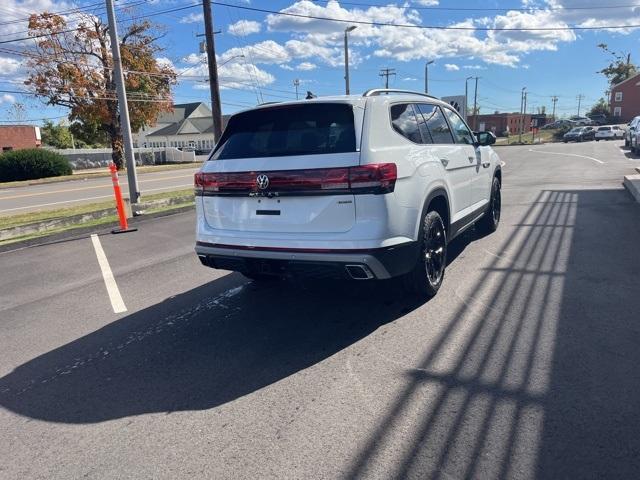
[598,119]
[560,124]
[610,132]
[581,121]
[632,128]
[579,134]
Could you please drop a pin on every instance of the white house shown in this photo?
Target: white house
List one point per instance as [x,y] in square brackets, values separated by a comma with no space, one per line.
[188,125]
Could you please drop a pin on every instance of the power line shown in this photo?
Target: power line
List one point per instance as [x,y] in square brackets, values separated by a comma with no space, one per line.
[70,30]
[387,72]
[481,9]
[423,27]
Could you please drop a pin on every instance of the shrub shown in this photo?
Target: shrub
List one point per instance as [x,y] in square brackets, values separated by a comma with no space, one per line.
[559,133]
[32,163]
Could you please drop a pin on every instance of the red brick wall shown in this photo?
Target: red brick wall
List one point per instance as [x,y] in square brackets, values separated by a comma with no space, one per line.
[497,123]
[15,137]
[630,104]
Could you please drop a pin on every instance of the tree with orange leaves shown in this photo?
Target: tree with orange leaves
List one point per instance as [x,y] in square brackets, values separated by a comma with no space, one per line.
[72,67]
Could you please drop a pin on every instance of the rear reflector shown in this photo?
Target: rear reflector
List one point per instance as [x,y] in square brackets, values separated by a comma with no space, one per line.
[378,178]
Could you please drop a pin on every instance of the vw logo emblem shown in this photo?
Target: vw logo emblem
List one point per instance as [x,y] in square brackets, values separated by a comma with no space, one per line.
[262,181]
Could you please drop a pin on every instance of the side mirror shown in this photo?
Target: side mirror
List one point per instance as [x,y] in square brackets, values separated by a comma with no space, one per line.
[485,138]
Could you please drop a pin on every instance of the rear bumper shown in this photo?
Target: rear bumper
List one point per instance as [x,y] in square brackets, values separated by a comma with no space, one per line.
[380,263]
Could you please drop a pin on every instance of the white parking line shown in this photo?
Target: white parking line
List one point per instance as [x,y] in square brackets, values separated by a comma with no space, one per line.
[567,154]
[112,287]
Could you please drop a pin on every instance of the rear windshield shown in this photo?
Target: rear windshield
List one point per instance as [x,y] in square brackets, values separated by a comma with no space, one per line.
[604,129]
[312,129]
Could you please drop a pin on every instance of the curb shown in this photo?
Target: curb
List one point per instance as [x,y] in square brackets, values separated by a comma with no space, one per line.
[632,184]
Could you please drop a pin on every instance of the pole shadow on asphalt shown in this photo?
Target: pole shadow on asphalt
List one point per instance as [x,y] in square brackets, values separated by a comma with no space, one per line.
[544,382]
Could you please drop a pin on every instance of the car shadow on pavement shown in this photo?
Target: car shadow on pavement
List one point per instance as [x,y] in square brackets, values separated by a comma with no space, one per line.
[199,349]
[535,374]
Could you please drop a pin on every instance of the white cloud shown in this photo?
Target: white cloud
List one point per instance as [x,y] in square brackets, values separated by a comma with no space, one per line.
[427,3]
[242,28]
[474,67]
[192,18]
[9,66]
[21,9]
[306,66]
[165,62]
[7,98]
[409,79]
[267,52]
[451,67]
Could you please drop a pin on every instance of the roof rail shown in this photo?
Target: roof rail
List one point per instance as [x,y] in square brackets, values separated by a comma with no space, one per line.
[383,91]
[267,103]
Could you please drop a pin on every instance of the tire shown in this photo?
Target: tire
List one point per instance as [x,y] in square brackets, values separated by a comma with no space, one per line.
[491,219]
[597,139]
[566,141]
[426,277]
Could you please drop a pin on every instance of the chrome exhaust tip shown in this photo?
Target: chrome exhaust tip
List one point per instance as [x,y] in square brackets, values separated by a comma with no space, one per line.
[359,272]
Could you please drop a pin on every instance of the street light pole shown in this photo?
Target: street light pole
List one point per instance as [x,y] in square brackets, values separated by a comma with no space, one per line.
[466,96]
[123,108]
[475,107]
[426,76]
[346,56]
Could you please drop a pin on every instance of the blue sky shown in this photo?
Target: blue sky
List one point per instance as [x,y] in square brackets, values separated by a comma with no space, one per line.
[278,49]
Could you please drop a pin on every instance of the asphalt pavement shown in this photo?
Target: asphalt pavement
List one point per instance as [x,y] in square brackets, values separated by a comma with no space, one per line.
[50,196]
[524,366]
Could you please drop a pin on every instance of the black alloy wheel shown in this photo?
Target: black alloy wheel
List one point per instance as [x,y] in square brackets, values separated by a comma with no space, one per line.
[490,220]
[435,251]
[428,273]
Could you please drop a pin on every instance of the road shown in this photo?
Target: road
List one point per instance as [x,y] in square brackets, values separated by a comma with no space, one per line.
[524,366]
[76,192]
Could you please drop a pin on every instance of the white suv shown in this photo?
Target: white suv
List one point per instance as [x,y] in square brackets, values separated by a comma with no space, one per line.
[360,187]
[631,133]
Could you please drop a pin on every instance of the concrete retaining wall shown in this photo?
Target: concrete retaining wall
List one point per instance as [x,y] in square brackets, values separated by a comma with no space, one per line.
[101,157]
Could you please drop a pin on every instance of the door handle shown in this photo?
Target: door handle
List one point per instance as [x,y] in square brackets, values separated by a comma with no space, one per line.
[444,161]
[486,164]
[472,159]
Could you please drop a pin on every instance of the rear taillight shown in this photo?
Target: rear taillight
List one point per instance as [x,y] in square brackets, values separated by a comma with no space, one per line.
[376,178]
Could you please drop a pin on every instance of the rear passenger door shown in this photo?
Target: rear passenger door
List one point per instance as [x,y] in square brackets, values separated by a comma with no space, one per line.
[454,158]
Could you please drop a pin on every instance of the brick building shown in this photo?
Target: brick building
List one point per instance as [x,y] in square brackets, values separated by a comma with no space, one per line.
[501,123]
[625,99]
[16,137]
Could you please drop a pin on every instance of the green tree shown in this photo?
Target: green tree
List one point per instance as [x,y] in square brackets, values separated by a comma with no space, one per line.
[57,136]
[88,135]
[601,107]
[620,67]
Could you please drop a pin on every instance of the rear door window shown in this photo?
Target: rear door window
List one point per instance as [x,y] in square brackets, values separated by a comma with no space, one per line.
[404,121]
[312,129]
[435,122]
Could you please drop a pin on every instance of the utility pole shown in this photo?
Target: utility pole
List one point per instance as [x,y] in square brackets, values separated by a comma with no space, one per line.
[214,87]
[123,108]
[296,83]
[426,75]
[346,57]
[523,107]
[475,107]
[579,98]
[387,72]
[554,99]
